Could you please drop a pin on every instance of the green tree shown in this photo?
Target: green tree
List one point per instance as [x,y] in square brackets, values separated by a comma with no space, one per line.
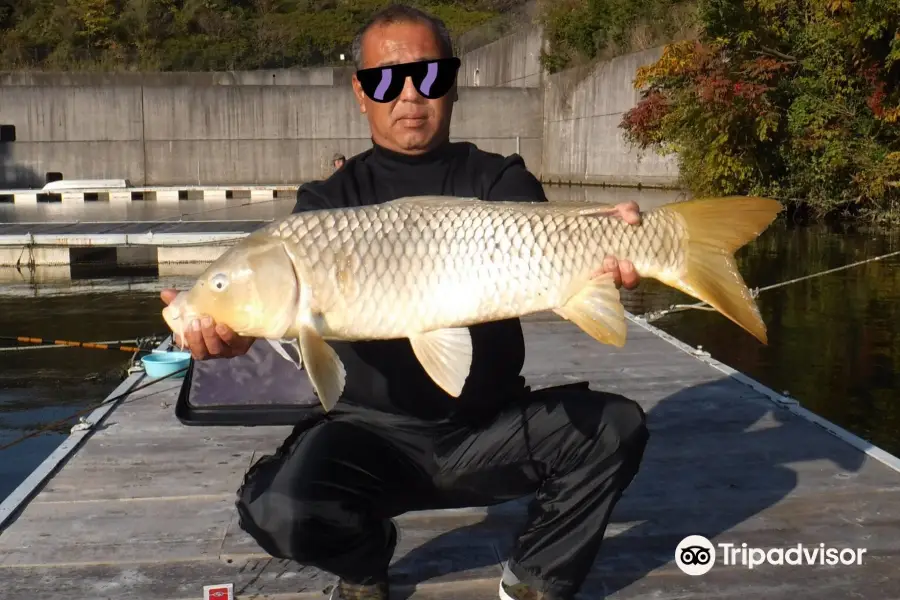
[579,31]
[202,35]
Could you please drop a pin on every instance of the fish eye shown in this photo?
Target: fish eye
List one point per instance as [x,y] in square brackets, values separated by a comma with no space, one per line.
[219,281]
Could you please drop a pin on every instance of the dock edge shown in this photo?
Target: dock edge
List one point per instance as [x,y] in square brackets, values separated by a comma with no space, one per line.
[790,404]
[25,491]
[48,467]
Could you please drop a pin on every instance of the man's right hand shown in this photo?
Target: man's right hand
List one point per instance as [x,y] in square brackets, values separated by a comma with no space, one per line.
[205,339]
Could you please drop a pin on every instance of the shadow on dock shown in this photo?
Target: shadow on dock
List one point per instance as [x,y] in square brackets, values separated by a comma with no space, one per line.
[689,484]
[148,505]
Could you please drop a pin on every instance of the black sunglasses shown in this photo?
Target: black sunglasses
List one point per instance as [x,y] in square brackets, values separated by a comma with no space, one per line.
[432,78]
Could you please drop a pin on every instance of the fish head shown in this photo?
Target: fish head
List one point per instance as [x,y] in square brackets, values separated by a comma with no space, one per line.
[252,288]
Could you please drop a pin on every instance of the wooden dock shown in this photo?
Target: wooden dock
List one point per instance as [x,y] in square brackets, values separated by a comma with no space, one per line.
[144,508]
[51,243]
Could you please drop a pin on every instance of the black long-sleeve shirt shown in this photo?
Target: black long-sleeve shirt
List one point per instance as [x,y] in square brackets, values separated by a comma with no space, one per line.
[386,374]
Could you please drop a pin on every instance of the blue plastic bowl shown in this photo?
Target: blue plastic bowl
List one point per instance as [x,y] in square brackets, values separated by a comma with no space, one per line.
[160,364]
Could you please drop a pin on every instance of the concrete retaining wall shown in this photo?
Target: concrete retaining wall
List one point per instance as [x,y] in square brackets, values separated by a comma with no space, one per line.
[222,135]
[512,61]
[307,76]
[582,142]
[82,132]
[175,129]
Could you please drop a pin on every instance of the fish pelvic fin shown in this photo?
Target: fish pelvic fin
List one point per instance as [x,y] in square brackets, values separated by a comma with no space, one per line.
[597,309]
[323,366]
[715,229]
[446,355]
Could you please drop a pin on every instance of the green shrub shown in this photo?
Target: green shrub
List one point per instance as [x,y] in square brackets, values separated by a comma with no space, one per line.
[200,35]
[785,98]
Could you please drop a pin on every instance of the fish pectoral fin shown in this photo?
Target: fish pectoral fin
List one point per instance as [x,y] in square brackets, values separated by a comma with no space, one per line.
[597,309]
[446,355]
[323,366]
[276,344]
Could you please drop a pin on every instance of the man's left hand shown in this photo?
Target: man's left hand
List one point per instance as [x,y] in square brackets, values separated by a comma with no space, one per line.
[623,270]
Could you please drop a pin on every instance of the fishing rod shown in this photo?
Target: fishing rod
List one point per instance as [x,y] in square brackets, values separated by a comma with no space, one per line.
[142,343]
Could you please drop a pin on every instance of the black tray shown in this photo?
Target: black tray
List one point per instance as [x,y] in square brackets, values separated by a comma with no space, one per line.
[258,389]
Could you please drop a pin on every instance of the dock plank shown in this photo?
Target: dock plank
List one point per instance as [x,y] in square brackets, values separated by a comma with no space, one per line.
[145,509]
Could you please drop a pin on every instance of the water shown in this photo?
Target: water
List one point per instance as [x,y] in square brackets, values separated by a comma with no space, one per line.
[834,342]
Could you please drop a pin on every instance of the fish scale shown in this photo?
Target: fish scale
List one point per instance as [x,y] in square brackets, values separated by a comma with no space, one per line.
[453,264]
[426,268]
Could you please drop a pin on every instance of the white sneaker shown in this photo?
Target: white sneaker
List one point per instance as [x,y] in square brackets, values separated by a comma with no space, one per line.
[512,588]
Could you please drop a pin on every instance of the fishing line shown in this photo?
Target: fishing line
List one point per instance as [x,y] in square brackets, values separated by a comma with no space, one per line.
[233,206]
[89,409]
[654,315]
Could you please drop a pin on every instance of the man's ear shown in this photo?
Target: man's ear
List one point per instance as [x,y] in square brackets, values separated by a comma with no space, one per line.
[358,92]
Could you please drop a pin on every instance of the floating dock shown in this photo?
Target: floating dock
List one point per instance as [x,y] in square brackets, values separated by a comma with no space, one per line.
[155,194]
[142,507]
[168,242]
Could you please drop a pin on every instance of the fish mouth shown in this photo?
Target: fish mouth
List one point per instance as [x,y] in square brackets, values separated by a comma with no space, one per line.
[177,317]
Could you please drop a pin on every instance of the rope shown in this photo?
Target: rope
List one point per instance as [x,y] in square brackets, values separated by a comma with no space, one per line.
[654,315]
[61,422]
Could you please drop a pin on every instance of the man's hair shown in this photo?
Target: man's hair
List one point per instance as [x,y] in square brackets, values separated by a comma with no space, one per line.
[400,13]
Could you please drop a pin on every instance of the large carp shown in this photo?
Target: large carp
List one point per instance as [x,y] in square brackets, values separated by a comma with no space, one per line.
[425,268]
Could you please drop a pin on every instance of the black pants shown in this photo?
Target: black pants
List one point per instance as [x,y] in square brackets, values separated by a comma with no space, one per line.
[322,500]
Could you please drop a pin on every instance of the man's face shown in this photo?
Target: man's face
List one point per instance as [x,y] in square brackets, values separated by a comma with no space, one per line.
[411,123]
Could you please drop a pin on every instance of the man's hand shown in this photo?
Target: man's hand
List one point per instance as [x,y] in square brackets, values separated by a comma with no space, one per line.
[205,339]
[623,270]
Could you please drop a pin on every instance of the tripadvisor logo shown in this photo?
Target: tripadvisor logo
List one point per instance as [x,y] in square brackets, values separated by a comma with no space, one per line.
[696,555]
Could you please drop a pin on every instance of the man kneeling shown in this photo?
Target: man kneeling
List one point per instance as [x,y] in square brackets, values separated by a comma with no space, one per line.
[396,442]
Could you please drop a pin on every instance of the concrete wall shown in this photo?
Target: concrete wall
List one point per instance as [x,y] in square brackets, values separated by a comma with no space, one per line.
[308,76]
[83,132]
[582,142]
[209,129]
[221,135]
[512,61]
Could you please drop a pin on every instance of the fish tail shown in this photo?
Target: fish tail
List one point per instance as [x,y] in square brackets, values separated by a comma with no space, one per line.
[715,228]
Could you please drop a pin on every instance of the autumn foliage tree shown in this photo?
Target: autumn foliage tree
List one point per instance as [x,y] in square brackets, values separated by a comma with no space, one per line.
[794,99]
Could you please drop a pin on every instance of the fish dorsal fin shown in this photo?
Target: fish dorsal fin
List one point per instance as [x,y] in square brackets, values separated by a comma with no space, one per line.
[579,209]
[433,200]
[598,311]
[582,209]
[446,355]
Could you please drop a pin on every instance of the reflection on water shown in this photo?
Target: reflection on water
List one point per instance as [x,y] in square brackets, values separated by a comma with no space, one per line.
[834,340]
